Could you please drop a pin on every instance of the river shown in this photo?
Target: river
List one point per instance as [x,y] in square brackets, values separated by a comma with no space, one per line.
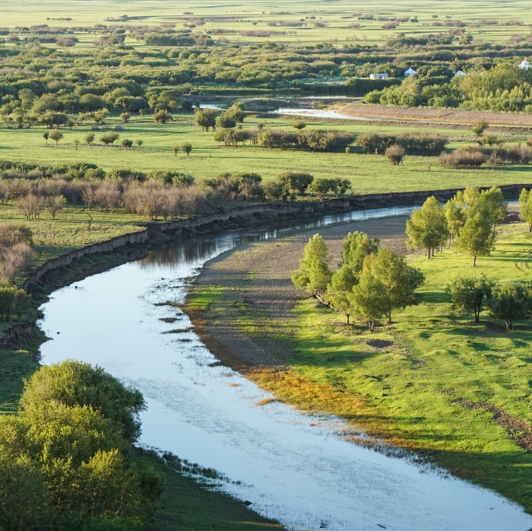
[292,466]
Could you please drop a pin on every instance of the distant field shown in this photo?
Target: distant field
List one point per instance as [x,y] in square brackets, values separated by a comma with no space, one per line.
[367,173]
[241,16]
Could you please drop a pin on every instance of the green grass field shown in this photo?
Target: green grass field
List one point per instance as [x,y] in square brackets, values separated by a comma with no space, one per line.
[456,392]
[241,16]
[367,173]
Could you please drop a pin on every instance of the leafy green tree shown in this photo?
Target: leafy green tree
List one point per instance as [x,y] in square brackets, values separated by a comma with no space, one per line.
[491,140]
[479,127]
[495,204]
[476,237]
[525,207]
[400,279]
[126,143]
[339,186]
[109,138]
[237,112]
[56,136]
[455,218]
[468,294]
[162,116]
[187,105]
[125,117]
[139,143]
[8,295]
[356,247]
[427,227]
[313,273]
[510,302]
[46,136]
[340,291]
[74,383]
[320,187]
[176,150]
[205,118]
[186,147]
[89,139]
[299,124]
[370,299]
[225,121]
[76,143]
[294,183]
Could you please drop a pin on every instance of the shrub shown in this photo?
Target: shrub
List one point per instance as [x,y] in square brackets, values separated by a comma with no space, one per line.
[395,154]
[459,159]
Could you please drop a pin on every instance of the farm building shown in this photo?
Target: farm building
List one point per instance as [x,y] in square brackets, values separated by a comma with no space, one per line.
[378,76]
[410,72]
[525,65]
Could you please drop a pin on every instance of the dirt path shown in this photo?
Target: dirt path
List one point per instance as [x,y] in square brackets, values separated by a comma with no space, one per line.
[257,288]
[439,115]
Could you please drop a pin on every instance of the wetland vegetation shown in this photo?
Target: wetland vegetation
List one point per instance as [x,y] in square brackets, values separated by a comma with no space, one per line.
[112,120]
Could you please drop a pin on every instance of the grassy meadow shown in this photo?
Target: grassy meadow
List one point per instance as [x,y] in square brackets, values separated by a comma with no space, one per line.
[456,392]
[367,173]
[254,15]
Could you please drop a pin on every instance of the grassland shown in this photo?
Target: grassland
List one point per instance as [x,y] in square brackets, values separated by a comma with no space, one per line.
[435,382]
[367,173]
[242,16]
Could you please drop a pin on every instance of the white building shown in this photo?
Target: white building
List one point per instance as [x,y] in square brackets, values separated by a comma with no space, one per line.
[378,76]
[459,73]
[525,65]
[410,72]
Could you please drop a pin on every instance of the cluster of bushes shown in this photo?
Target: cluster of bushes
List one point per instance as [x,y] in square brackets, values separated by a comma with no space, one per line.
[413,143]
[66,458]
[474,157]
[506,301]
[370,282]
[311,139]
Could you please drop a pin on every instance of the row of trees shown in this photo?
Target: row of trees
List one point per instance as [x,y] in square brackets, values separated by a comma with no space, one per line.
[370,282]
[467,222]
[66,459]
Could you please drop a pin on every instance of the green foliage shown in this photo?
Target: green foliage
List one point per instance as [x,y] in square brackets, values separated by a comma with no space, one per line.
[340,291]
[468,294]
[162,116]
[56,136]
[73,383]
[109,138]
[525,207]
[205,118]
[313,273]
[356,247]
[510,302]
[477,237]
[479,128]
[186,147]
[399,279]
[370,299]
[427,227]
[294,183]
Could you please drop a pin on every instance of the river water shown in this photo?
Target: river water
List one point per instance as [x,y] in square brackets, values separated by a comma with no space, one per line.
[292,466]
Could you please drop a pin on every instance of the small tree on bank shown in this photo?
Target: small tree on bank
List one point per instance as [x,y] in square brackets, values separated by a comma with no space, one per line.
[56,136]
[427,227]
[313,273]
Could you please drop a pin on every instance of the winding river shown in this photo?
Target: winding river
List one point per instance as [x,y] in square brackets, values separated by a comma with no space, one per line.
[291,466]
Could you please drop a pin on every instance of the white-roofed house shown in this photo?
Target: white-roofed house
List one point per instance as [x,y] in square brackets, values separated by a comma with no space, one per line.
[410,72]
[525,65]
[378,76]
[459,73]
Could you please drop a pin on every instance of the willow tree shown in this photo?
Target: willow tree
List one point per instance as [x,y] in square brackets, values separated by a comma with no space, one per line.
[427,227]
[313,273]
